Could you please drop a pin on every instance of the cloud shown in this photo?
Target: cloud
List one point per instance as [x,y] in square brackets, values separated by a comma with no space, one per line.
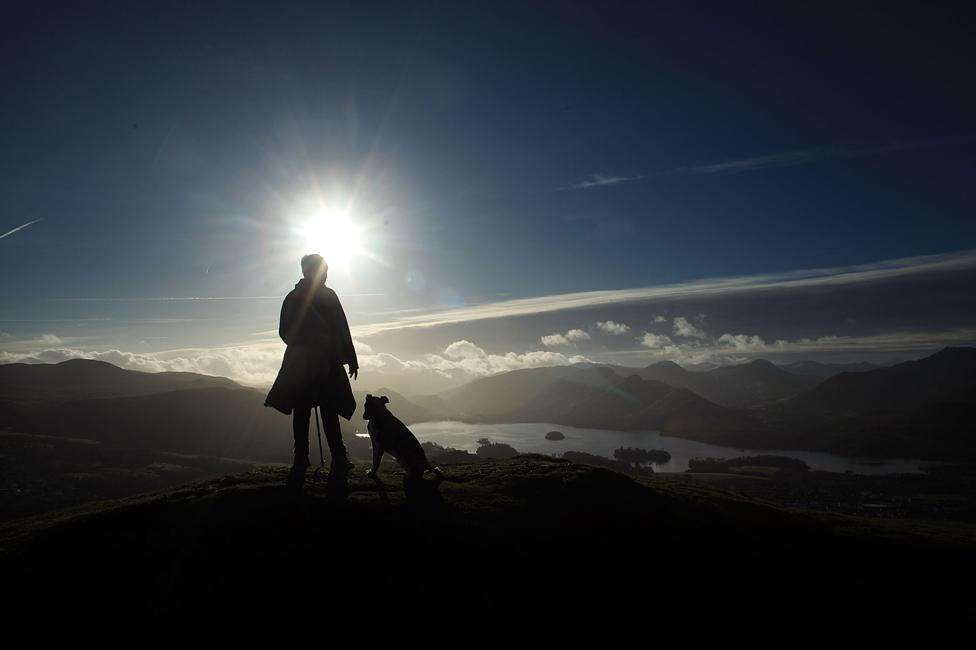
[610,327]
[361,348]
[735,348]
[554,340]
[743,342]
[20,227]
[683,328]
[469,358]
[257,364]
[660,319]
[577,335]
[464,350]
[778,160]
[753,343]
[50,339]
[192,298]
[831,277]
[463,360]
[655,341]
[602,180]
[385,363]
[249,365]
[557,339]
[786,159]
[820,154]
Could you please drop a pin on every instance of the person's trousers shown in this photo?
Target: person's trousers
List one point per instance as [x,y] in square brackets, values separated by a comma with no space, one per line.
[330,422]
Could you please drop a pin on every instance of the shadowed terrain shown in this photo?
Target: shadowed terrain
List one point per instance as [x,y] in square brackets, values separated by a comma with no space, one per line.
[530,531]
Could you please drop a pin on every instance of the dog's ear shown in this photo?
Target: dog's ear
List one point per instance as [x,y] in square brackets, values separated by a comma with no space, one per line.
[385,399]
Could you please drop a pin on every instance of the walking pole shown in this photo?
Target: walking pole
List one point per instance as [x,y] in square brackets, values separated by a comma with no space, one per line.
[319,432]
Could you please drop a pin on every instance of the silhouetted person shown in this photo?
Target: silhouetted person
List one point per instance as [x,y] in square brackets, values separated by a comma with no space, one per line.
[316,332]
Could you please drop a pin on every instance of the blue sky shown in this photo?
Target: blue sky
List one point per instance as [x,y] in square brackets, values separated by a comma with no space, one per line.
[490,153]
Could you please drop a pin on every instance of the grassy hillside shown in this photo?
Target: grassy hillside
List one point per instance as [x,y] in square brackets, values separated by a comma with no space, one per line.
[40,473]
[498,536]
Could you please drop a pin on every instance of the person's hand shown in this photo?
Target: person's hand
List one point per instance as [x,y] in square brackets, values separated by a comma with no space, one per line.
[354,372]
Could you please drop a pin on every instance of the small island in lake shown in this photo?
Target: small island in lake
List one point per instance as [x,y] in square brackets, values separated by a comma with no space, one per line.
[496,450]
[555,435]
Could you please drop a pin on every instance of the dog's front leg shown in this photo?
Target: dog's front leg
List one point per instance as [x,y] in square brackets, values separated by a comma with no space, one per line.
[377,456]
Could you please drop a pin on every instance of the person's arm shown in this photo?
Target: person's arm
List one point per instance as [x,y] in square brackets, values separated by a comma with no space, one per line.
[286,320]
[346,349]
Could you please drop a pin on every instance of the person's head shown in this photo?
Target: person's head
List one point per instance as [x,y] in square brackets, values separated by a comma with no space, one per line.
[314,268]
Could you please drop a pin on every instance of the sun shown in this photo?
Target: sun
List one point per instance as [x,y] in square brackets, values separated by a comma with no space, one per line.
[334,235]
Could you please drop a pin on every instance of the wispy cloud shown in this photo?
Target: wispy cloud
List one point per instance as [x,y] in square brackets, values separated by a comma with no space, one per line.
[778,160]
[770,161]
[52,320]
[192,298]
[807,278]
[20,227]
[602,180]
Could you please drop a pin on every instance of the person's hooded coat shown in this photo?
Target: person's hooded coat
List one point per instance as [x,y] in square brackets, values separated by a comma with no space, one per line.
[316,332]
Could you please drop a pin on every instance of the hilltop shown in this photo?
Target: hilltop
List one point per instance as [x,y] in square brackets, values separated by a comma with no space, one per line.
[494,536]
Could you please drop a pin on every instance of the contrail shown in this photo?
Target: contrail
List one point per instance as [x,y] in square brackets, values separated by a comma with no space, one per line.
[21,227]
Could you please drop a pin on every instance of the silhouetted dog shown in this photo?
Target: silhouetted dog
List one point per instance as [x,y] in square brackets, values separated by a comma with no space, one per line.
[388,434]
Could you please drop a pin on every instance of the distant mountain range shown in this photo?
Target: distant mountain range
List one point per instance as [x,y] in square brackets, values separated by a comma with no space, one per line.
[824,370]
[178,412]
[169,412]
[946,377]
[738,386]
[596,397]
[87,378]
[924,408]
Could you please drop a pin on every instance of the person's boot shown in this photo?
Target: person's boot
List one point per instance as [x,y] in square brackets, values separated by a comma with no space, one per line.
[341,462]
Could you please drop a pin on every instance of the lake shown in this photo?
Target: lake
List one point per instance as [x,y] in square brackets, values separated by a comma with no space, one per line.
[530,437]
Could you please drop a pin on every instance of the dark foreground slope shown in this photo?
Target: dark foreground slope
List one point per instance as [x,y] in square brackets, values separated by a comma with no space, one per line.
[499,538]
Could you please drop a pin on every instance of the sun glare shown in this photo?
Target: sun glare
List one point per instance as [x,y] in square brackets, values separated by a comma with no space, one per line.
[334,236]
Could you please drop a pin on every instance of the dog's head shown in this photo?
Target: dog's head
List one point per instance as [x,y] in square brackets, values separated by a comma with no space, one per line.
[375,404]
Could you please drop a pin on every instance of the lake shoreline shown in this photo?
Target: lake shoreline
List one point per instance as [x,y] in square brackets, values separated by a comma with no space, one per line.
[529,437]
